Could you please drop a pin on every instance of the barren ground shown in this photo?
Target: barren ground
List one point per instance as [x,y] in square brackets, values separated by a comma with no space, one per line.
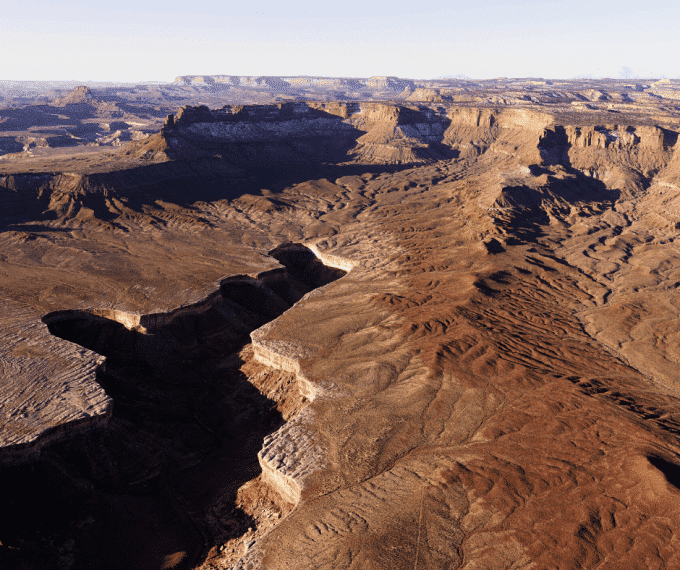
[346,335]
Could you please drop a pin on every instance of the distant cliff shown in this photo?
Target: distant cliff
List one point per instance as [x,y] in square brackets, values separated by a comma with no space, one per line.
[283,82]
[204,154]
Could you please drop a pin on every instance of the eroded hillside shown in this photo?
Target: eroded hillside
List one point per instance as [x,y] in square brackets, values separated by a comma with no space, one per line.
[346,335]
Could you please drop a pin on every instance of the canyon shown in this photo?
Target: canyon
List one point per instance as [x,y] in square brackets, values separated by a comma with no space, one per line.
[436,328]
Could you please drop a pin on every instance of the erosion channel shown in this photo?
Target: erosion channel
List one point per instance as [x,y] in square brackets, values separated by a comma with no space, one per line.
[173,477]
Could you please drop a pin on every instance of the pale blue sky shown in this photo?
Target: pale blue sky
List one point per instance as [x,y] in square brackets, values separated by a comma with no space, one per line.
[127,40]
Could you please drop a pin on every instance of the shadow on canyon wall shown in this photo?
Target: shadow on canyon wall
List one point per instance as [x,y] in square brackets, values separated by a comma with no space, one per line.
[182,167]
[529,209]
[156,488]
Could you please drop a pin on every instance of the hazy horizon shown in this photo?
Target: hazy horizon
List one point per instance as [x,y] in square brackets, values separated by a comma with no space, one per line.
[154,41]
[86,82]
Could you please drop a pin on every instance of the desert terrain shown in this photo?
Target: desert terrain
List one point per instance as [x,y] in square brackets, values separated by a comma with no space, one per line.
[340,323]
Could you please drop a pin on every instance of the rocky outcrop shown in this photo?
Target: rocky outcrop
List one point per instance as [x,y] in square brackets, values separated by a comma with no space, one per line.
[624,158]
[370,133]
[69,395]
[388,82]
[424,94]
[291,453]
[80,94]
[49,388]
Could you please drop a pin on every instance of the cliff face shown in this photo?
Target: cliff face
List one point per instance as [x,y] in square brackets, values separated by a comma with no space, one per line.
[369,133]
[70,398]
[204,154]
[362,133]
[626,158]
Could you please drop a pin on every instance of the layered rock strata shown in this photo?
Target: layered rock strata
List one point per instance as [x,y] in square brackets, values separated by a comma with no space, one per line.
[49,389]
[54,388]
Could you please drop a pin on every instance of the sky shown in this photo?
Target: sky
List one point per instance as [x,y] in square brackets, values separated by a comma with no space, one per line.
[153,40]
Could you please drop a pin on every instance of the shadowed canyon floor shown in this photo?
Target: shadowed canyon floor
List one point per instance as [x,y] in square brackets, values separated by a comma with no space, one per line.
[448,342]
